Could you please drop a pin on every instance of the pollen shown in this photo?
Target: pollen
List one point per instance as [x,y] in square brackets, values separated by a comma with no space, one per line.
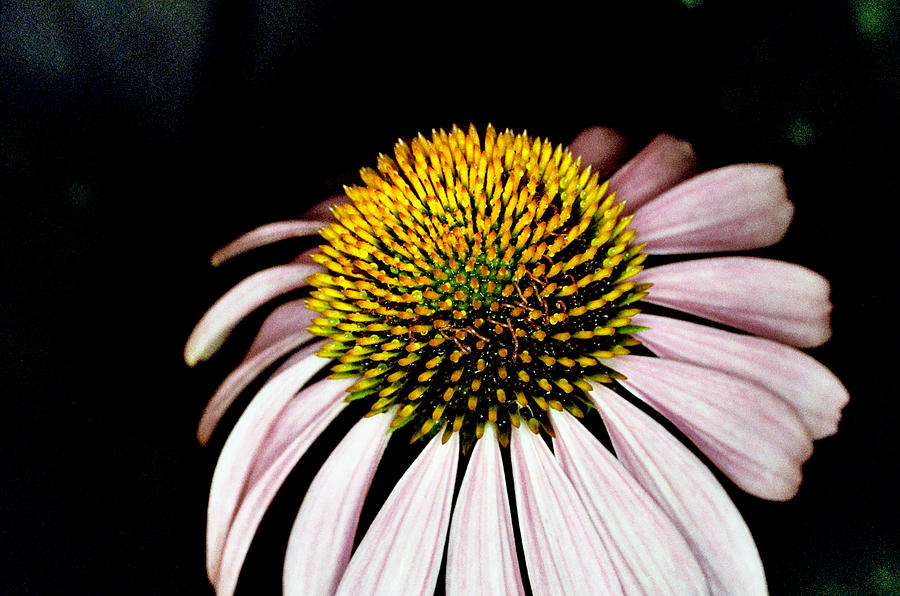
[473,279]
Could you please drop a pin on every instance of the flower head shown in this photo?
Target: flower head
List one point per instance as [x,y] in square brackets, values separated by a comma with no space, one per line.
[472,285]
[479,293]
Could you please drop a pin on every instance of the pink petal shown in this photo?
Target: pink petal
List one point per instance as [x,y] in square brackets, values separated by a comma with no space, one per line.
[306,257]
[285,320]
[739,207]
[402,549]
[659,166]
[238,380]
[809,387]
[298,425]
[688,492]
[647,550]
[268,234]
[322,211]
[281,332]
[563,551]
[778,300]
[756,439]
[230,309]
[481,557]
[601,148]
[236,460]
[322,536]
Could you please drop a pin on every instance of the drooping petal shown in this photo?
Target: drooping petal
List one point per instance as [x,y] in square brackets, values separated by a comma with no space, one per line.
[481,556]
[402,549]
[236,460]
[813,390]
[322,210]
[238,380]
[230,309]
[298,425]
[322,536]
[287,319]
[601,148]
[738,207]
[563,551]
[282,331]
[778,300]
[688,492]
[756,439]
[649,553]
[267,234]
[659,166]
[306,257]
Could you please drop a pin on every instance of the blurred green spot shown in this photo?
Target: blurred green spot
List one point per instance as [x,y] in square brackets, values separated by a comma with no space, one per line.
[886,580]
[873,18]
[692,3]
[79,195]
[828,587]
[801,132]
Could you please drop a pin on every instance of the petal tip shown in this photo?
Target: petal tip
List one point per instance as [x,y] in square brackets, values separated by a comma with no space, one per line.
[192,356]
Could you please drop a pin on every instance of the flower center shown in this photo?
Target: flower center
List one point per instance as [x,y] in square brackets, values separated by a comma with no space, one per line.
[470,284]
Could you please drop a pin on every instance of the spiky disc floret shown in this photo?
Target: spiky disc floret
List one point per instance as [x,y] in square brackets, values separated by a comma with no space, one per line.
[470,284]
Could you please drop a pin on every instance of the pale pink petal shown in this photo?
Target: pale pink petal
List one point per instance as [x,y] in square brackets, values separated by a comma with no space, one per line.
[756,439]
[563,551]
[689,493]
[649,553]
[237,303]
[402,550]
[306,257]
[797,378]
[659,166]
[322,536]
[297,426]
[236,460]
[268,234]
[294,359]
[242,376]
[601,148]
[322,211]
[778,300]
[481,556]
[287,319]
[281,332]
[739,207]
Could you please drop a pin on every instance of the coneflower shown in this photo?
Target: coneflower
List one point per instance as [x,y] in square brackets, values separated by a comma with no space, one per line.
[483,294]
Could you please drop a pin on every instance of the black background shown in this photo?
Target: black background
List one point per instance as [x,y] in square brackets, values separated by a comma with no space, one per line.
[136,138]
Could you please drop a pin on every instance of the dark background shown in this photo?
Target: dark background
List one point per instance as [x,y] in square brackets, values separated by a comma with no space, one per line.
[138,137]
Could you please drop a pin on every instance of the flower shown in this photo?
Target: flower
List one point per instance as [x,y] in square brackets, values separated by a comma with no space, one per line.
[481,295]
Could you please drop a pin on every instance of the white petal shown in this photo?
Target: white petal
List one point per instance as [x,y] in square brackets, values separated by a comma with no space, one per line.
[778,300]
[240,449]
[755,438]
[481,556]
[797,378]
[738,207]
[649,553]
[662,164]
[267,234]
[402,549]
[322,536]
[689,493]
[237,303]
[563,551]
[298,425]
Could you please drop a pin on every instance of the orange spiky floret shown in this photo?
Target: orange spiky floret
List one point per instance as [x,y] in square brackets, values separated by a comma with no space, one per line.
[472,281]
